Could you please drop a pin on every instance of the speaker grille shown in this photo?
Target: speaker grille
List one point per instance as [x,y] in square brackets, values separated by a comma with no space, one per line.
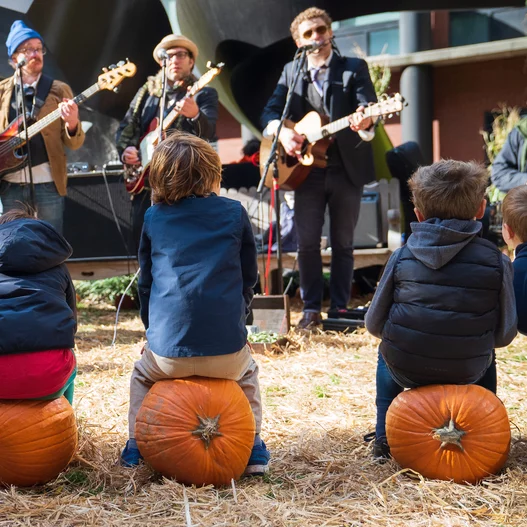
[89,224]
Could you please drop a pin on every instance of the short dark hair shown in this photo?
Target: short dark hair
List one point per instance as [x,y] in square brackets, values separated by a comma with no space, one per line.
[182,165]
[514,210]
[308,14]
[449,189]
[24,212]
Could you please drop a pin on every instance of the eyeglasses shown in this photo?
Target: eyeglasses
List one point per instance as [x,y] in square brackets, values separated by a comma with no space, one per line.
[29,51]
[179,55]
[321,30]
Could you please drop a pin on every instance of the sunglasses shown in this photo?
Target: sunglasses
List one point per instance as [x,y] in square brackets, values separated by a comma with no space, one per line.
[321,30]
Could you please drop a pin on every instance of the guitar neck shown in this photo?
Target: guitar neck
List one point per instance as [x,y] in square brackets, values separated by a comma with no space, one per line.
[37,127]
[172,116]
[341,124]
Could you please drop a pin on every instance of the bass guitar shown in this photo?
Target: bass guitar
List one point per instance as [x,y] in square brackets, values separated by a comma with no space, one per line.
[12,138]
[135,175]
[292,171]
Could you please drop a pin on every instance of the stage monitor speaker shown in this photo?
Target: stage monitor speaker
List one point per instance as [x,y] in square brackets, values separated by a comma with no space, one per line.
[89,224]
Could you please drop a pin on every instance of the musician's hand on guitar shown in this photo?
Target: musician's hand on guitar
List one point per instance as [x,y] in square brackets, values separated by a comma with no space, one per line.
[188,107]
[358,121]
[69,111]
[131,156]
[292,142]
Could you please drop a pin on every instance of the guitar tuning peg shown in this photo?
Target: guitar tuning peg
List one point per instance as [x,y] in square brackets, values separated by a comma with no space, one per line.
[390,115]
[121,63]
[112,66]
[105,70]
[116,89]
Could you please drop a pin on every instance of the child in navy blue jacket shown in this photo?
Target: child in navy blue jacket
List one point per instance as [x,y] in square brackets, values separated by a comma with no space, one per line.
[514,232]
[198,269]
[445,300]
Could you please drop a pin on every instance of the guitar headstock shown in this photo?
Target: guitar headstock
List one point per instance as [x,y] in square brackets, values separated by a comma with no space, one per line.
[388,106]
[115,74]
[214,70]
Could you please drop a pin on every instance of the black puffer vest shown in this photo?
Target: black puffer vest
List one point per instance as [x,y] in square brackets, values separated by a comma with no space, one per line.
[441,326]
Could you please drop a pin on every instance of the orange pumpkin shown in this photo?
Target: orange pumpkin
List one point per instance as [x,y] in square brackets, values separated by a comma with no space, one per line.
[449,432]
[37,440]
[197,430]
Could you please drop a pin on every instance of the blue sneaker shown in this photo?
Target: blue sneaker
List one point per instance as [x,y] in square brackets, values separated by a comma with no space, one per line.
[258,463]
[130,456]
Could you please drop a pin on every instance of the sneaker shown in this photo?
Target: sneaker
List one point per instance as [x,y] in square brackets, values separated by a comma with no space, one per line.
[130,456]
[258,463]
[381,448]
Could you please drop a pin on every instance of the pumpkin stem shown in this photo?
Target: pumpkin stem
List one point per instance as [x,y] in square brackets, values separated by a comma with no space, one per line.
[449,435]
[207,429]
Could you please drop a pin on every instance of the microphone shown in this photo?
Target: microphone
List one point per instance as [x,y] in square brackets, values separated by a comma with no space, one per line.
[162,54]
[21,61]
[313,46]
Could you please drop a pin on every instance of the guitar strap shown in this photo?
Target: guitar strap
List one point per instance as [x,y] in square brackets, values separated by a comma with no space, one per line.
[43,89]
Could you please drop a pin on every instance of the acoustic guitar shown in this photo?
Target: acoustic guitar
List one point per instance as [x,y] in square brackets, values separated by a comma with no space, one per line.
[135,175]
[292,171]
[14,136]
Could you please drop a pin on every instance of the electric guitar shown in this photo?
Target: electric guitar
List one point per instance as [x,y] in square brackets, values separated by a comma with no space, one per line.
[292,171]
[135,175]
[12,138]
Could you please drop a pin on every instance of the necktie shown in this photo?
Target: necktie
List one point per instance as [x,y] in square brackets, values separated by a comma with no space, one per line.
[316,79]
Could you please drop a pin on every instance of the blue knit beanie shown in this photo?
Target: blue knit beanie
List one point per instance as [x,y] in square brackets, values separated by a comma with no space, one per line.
[19,33]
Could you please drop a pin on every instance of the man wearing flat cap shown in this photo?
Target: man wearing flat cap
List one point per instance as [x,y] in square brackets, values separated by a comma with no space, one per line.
[198,114]
[42,96]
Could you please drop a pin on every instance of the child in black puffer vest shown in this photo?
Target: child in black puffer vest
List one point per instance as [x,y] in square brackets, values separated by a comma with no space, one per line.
[446,299]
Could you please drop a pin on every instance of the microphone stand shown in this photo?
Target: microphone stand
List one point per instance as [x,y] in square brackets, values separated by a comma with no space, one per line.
[162,102]
[298,65]
[22,99]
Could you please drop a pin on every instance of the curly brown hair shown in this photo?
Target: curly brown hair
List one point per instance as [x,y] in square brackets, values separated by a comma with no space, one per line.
[183,165]
[308,14]
[449,189]
[514,211]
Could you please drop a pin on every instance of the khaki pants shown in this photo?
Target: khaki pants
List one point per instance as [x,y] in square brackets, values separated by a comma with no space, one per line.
[150,368]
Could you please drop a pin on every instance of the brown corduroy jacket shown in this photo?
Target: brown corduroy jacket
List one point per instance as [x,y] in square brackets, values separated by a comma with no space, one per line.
[55,135]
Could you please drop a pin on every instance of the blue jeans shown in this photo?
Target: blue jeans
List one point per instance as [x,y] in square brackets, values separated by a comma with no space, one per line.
[48,202]
[388,389]
[326,187]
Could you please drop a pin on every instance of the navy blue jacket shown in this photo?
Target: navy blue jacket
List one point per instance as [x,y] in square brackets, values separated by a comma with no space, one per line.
[198,269]
[347,87]
[37,297]
[520,286]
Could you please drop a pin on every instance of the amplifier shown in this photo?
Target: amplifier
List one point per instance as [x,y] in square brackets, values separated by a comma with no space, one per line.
[89,222]
[368,234]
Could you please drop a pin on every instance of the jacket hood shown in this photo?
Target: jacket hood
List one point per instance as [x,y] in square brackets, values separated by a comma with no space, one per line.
[31,246]
[435,242]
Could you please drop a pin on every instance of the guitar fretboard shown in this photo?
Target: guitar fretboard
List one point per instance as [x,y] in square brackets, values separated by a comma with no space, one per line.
[375,110]
[18,140]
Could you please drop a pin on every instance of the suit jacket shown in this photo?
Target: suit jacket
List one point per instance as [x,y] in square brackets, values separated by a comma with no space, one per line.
[347,86]
[55,135]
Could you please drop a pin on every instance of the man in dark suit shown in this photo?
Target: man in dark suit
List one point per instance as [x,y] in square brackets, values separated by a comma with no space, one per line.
[334,86]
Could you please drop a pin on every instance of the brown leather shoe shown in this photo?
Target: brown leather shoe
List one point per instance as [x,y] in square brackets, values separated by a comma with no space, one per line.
[309,321]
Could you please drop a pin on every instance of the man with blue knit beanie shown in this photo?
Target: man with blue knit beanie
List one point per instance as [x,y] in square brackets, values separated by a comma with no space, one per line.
[42,95]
